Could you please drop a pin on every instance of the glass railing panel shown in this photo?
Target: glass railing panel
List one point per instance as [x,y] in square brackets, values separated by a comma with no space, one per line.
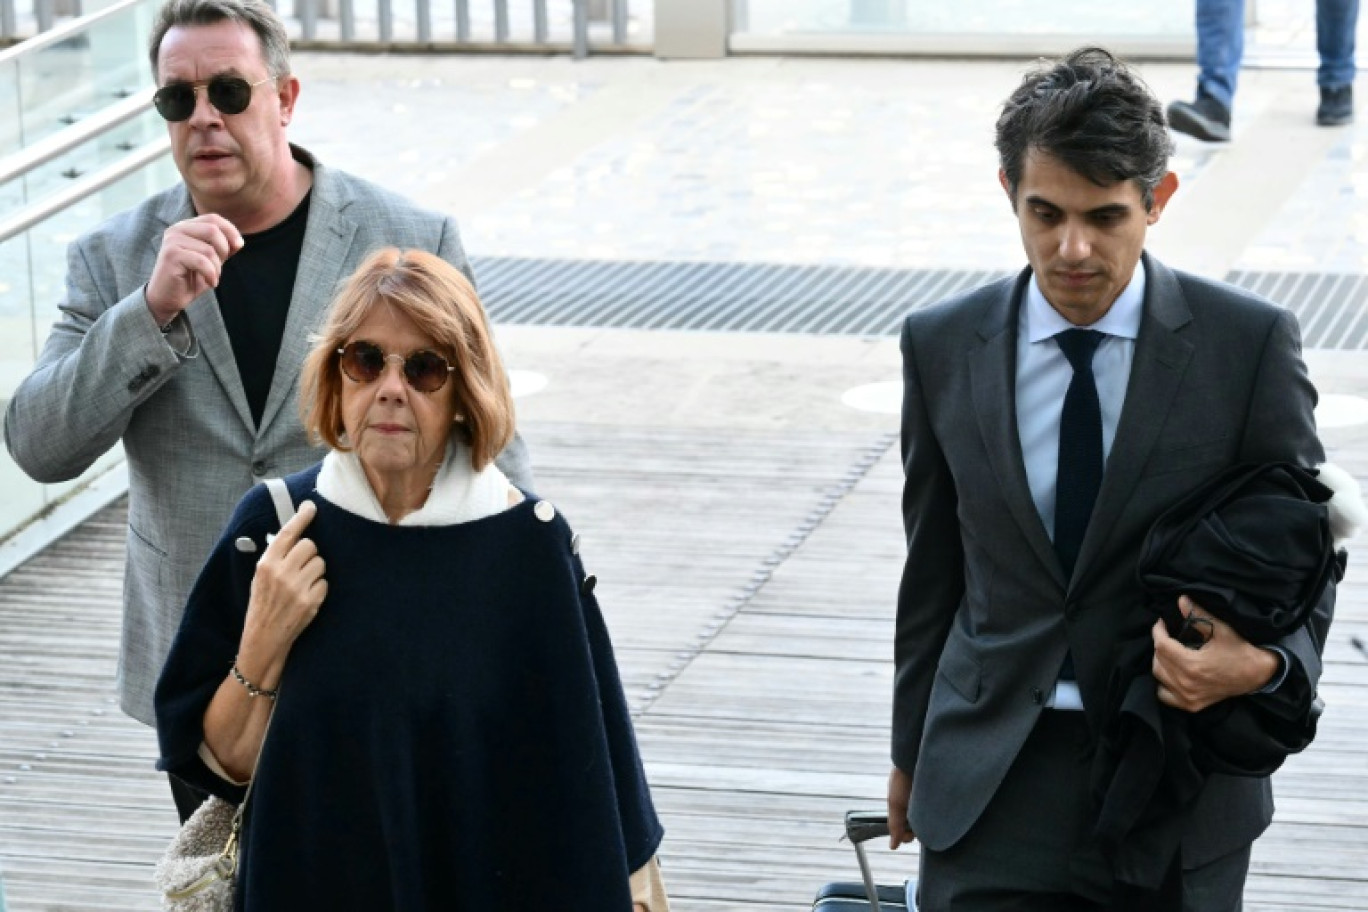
[21,497]
[963,17]
[10,140]
[58,85]
[58,174]
[62,11]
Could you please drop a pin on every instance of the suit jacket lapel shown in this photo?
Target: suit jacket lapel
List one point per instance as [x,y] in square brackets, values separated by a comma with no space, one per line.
[1161,358]
[992,371]
[206,320]
[327,241]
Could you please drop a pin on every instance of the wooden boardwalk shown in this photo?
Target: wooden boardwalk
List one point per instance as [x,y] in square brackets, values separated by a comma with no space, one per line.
[749,581]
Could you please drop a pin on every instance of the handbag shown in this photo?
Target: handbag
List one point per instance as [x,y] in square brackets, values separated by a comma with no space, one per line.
[198,870]
[196,873]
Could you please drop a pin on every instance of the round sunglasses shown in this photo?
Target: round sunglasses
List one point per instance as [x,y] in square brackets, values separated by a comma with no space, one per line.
[364,362]
[229,95]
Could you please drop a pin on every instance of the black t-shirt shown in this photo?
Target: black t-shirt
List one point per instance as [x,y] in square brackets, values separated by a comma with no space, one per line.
[254,294]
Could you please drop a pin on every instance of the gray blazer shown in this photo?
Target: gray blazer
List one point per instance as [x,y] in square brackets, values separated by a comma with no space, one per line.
[108,374]
[985,613]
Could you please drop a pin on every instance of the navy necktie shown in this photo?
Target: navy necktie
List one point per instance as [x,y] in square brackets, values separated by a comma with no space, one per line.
[1080,447]
[1080,455]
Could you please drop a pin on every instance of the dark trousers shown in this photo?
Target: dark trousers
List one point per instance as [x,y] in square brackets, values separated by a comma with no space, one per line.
[1031,851]
[187,797]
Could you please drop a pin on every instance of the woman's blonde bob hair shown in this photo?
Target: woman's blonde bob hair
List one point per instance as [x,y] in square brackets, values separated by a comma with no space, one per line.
[443,304]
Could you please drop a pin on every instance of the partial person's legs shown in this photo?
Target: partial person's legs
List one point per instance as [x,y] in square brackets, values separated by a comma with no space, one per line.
[1220,48]
[1032,850]
[1217,886]
[187,797]
[1336,28]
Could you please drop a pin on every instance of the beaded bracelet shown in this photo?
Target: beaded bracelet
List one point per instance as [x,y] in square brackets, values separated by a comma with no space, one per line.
[252,689]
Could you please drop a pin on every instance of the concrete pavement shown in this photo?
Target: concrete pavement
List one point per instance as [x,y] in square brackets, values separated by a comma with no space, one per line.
[810,161]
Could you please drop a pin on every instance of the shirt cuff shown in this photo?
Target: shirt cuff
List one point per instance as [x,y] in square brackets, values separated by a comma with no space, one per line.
[177,335]
[648,888]
[1279,676]
[206,755]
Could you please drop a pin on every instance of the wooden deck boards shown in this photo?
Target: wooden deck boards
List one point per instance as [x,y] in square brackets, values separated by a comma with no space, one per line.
[749,582]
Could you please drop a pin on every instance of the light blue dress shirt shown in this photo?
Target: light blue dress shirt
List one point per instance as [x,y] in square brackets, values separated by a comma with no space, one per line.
[1043,375]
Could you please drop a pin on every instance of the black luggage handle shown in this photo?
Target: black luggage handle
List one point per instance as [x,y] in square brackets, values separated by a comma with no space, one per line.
[861,826]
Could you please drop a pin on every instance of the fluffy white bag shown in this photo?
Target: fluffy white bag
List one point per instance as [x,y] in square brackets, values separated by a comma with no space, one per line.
[196,873]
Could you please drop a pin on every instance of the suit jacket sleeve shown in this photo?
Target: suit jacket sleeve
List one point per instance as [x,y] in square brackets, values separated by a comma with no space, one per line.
[1281,427]
[103,358]
[514,460]
[933,577]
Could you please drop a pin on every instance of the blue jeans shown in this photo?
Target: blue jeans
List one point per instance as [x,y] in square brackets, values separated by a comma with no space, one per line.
[1220,45]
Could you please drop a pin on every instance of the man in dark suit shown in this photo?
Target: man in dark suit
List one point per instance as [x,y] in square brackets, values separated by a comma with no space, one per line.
[1047,421]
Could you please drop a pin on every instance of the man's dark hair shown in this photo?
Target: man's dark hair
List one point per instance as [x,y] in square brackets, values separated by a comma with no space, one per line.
[1090,112]
[275,42]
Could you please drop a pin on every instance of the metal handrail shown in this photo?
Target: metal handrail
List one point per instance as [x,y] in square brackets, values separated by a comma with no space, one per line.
[49,148]
[62,32]
[45,150]
[31,215]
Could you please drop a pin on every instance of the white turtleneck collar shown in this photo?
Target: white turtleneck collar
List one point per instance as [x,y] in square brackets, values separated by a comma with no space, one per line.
[459,494]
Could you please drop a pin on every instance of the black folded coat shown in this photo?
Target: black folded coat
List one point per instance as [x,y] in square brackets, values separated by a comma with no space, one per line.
[1253,547]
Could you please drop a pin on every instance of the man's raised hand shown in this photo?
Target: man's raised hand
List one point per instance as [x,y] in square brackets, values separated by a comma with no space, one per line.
[189,263]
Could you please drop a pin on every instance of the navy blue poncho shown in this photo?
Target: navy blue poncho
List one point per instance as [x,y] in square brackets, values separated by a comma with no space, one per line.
[451,731]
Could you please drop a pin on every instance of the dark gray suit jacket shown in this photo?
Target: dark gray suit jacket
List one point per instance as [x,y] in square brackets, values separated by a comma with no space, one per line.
[107,374]
[985,614]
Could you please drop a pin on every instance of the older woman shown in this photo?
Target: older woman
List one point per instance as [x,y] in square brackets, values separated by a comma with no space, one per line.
[447,726]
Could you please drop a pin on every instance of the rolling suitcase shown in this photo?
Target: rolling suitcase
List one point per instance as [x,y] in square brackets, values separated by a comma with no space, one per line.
[861,826]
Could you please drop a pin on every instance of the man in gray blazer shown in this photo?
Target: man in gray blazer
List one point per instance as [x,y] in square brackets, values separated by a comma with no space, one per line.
[1047,421]
[186,318]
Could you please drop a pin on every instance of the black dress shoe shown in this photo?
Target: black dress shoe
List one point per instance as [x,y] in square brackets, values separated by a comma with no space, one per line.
[1206,118]
[1336,106]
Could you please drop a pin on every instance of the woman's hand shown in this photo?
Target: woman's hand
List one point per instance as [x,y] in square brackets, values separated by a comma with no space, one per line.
[287,590]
